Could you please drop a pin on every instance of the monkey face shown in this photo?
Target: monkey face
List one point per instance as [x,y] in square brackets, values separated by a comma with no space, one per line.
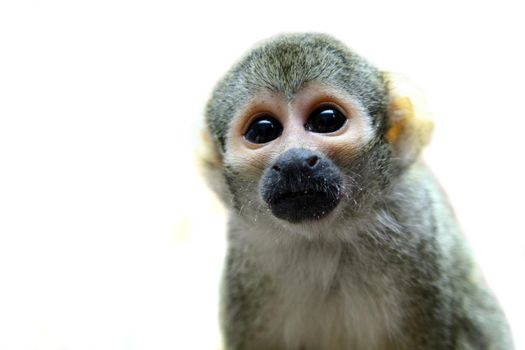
[307,134]
[288,156]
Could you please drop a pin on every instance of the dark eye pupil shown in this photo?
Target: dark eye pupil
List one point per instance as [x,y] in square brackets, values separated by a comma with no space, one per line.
[263,129]
[325,120]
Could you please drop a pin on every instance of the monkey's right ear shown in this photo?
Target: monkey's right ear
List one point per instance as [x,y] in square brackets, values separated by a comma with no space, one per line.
[208,152]
[211,165]
[410,121]
[209,158]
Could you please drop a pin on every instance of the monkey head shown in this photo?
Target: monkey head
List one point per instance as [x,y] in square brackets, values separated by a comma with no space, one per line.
[306,131]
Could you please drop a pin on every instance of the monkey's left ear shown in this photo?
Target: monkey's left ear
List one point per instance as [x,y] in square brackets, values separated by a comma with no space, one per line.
[411,123]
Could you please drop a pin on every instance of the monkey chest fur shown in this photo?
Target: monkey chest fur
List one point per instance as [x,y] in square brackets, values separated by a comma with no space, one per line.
[347,320]
[312,301]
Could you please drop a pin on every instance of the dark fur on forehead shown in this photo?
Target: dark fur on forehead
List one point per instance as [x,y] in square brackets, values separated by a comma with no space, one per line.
[285,63]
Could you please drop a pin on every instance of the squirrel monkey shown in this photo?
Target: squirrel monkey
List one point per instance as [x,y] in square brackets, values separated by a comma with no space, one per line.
[339,236]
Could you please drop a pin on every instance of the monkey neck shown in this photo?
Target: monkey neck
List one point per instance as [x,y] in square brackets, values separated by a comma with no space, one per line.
[317,262]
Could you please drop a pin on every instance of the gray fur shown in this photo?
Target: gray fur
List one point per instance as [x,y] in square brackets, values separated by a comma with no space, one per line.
[393,271]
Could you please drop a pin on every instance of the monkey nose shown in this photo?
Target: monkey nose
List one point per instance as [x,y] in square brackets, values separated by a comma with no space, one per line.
[296,159]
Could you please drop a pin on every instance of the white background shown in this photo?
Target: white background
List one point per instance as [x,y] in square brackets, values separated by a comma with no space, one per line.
[109,240]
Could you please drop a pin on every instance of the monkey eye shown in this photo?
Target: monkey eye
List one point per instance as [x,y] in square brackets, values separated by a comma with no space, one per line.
[263,129]
[325,120]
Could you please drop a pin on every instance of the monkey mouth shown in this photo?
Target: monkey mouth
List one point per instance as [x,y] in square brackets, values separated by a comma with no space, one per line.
[306,205]
[295,195]
[301,186]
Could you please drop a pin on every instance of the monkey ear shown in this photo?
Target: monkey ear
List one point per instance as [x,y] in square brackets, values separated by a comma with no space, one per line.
[410,121]
[209,158]
[211,165]
[208,152]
